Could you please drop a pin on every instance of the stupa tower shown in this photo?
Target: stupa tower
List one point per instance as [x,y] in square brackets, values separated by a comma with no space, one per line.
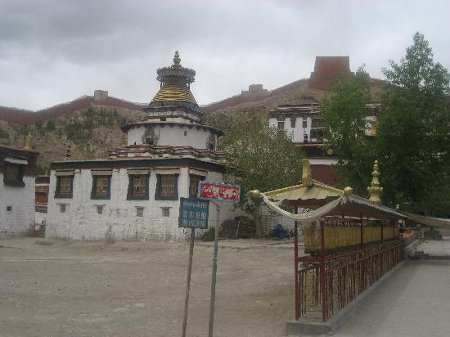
[174,98]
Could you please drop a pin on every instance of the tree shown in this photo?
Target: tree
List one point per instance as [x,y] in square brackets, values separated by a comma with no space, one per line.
[412,143]
[260,157]
[344,112]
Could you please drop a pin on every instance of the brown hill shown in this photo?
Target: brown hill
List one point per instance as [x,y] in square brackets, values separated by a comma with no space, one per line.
[89,124]
[257,103]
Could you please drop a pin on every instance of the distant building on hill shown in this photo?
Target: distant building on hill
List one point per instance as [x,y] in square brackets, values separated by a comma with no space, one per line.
[134,193]
[17,174]
[305,125]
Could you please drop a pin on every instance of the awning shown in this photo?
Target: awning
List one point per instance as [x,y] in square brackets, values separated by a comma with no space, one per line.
[429,221]
[347,204]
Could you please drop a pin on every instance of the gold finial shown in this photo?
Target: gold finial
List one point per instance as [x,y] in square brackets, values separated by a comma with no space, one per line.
[176,60]
[306,173]
[255,195]
[375,189]
[348,191]
[27,146]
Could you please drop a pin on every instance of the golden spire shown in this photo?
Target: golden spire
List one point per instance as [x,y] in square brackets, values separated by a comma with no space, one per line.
[306,173]
[27,146]
[375,189]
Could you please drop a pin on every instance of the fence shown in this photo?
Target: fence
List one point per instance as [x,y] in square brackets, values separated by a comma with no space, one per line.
[329,283]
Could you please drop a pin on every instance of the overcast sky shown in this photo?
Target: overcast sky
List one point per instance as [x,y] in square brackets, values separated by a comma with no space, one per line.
[53,51]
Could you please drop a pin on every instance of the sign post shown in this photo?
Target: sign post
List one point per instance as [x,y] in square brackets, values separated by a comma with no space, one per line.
[193,214]
[216,192]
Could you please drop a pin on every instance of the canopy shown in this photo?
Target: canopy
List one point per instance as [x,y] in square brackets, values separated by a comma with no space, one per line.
[429,221]
[347,204]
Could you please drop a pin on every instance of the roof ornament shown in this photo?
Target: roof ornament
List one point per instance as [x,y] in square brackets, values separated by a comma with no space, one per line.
[375,189]
[28,146]
[176,60]
[306,173]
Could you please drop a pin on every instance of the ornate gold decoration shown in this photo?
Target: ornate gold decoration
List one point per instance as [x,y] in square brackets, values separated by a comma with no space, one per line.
[375,189]
[348,191]
[175,83]
[28,146]
[255,195]
[306,173]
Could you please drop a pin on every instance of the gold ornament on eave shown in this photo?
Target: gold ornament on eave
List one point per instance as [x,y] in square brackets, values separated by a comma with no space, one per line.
[375,189]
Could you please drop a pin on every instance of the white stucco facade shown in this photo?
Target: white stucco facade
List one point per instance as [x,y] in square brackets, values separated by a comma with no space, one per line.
[174,134]
[78,218]
[295,127]
[16,207]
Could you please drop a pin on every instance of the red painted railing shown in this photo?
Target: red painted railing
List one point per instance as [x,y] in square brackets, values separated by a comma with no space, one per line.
[328,283]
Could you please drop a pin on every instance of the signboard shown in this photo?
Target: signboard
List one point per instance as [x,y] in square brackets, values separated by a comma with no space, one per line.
[193,213]
[219,192]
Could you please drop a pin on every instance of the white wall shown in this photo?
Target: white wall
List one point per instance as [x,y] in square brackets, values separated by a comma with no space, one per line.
[119,221]
[297,133]
[173,135]
[21,199]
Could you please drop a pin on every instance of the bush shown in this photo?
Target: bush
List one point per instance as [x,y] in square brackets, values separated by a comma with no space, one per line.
[241,227]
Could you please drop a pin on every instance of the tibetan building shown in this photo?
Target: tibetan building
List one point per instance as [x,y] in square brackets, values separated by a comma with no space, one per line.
[133,194]
[17,174]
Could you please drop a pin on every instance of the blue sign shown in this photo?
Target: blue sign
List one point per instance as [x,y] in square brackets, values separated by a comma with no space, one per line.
[193,213]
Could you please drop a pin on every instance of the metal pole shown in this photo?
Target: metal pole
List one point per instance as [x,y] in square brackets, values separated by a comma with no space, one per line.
[188,282]
[214,272]
[296,288]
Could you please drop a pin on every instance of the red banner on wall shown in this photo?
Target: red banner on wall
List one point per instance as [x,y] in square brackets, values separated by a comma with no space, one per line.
[220,192]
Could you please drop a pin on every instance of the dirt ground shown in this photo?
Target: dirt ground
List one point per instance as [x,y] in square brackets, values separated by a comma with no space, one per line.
[81,289]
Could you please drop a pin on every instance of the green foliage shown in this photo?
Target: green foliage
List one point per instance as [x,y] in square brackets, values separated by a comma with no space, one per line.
[413,143]
[344,113]
[50,126]
[263,158]
[3,133]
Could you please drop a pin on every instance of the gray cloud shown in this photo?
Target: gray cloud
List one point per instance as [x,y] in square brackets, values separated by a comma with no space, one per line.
[55,50]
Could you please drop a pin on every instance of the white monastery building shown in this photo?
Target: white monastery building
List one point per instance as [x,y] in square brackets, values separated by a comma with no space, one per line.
[134,193]
[17,174]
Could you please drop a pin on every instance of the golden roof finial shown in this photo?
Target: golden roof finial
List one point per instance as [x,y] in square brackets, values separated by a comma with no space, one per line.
[27,145]
[306,173]
[176,60]
[375,189]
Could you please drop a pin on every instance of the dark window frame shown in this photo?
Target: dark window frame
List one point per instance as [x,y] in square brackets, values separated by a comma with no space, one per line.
[94,194]
[63,195]
[158,192]
[133,196]
[13,182]
[191,176]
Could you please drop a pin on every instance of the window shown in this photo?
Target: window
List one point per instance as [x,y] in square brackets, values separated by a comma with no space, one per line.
[99,208]
[64,187]
[165,211]
[305,138]
[9,208]
[293,122]
[317,123]
[13,175]
[280,125]
[101,187]
[140,211]
[193,185]
[62,208]
[305,123]
[167,187]
[138,187]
